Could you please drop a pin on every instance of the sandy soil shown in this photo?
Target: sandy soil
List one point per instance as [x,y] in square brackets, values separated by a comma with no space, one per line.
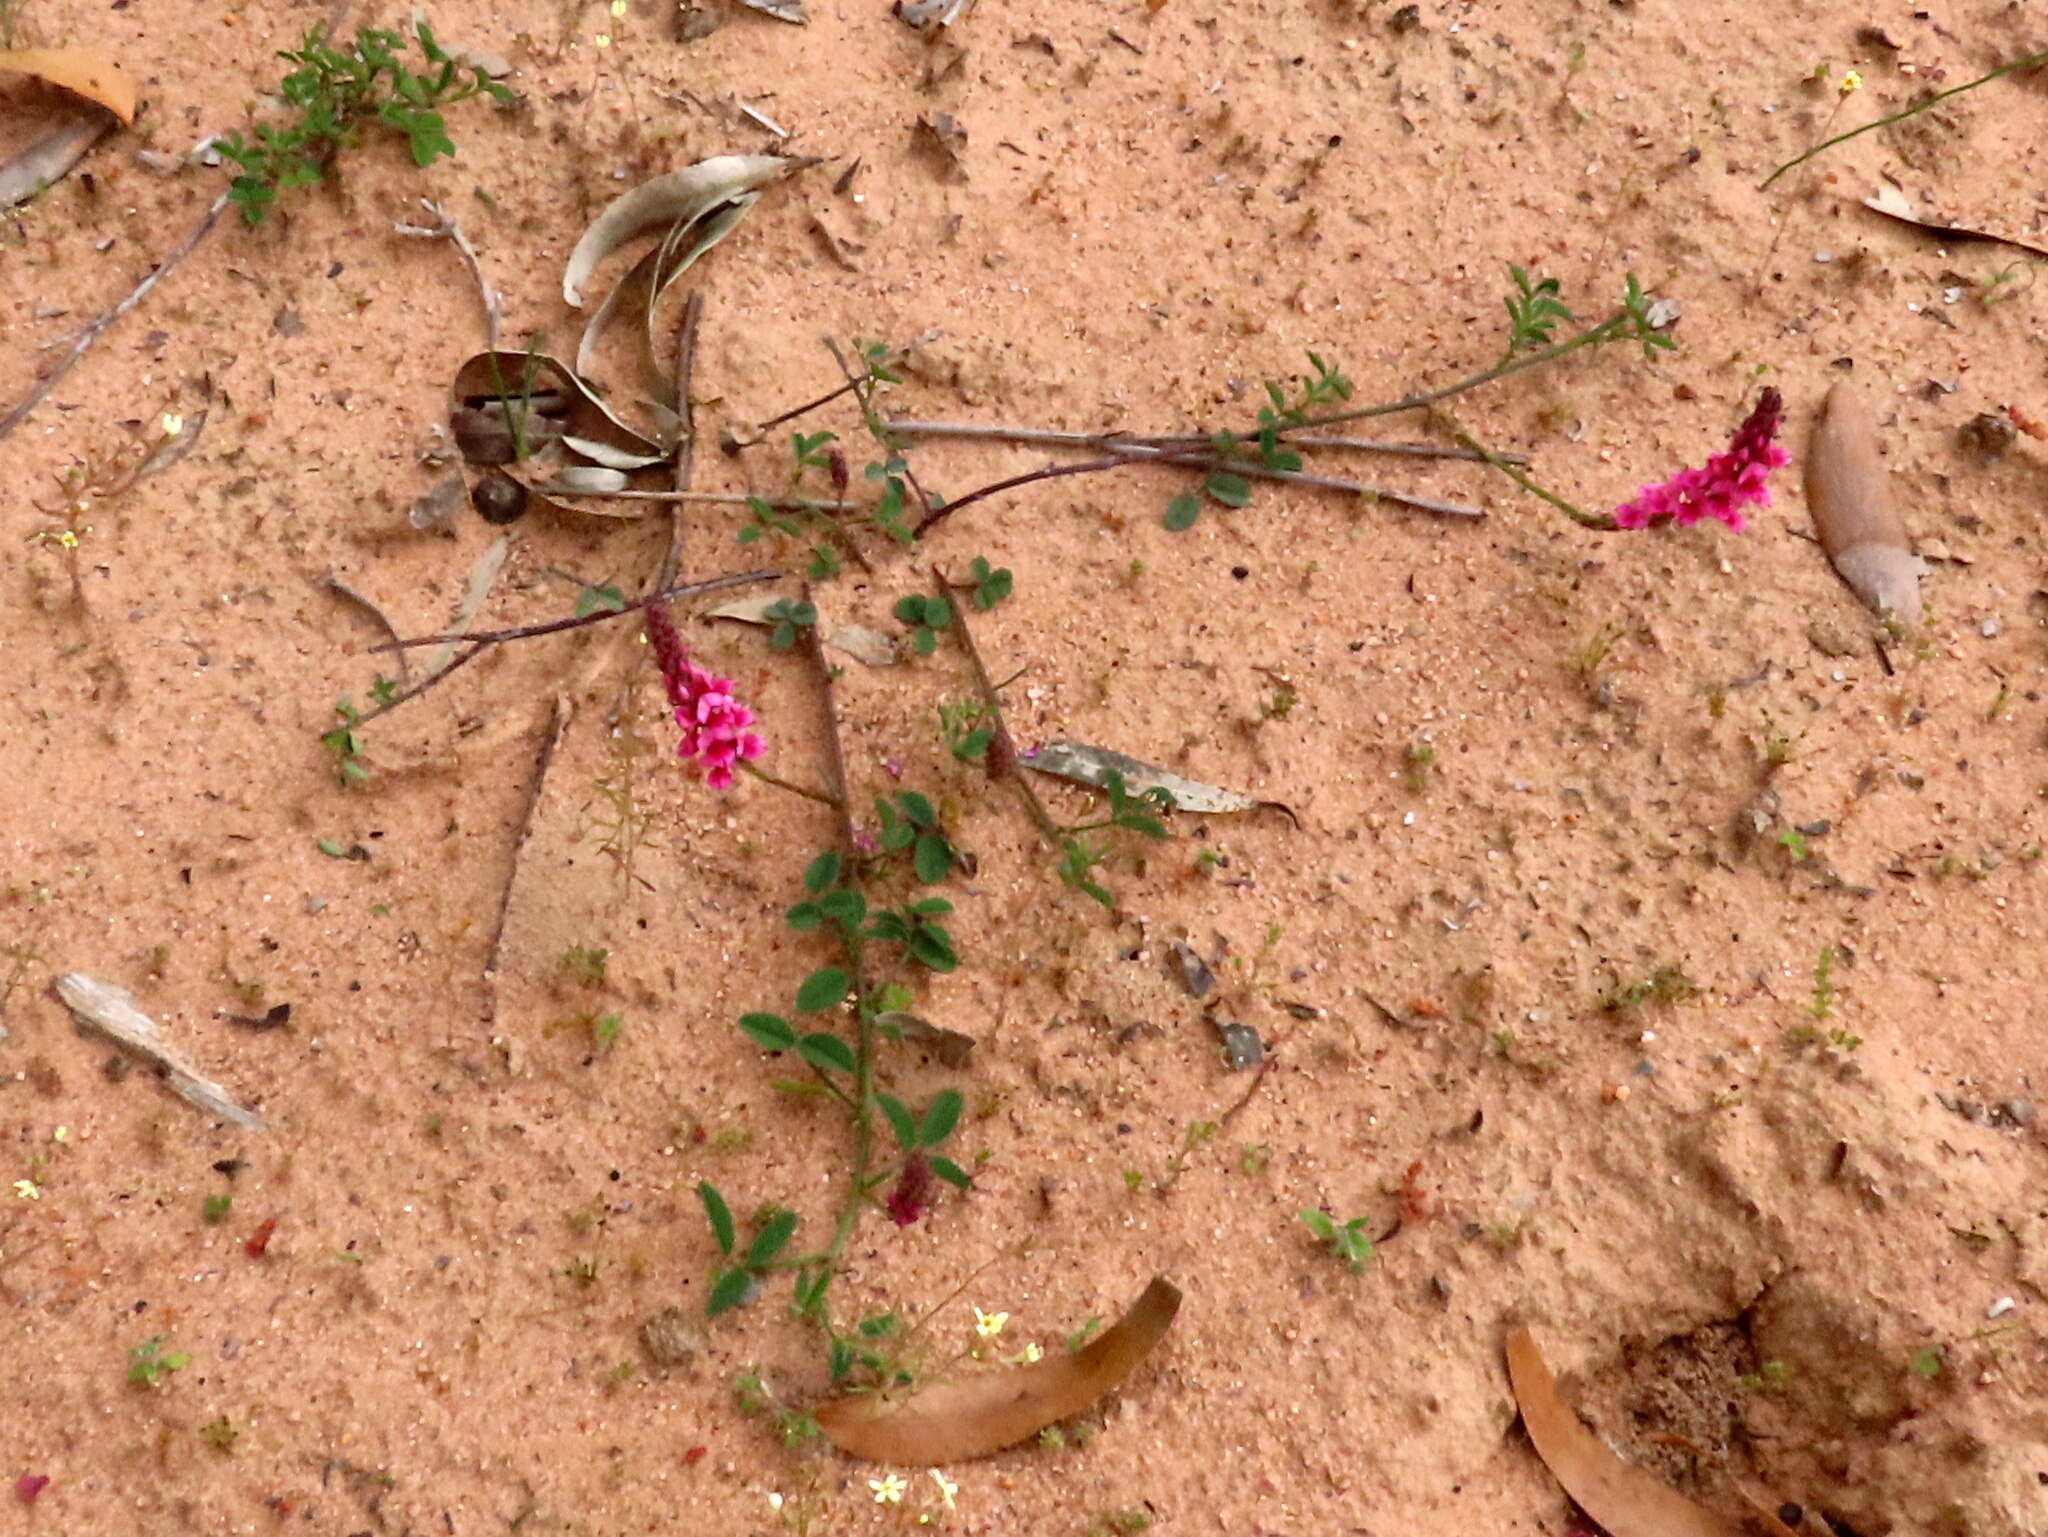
[1756,1243]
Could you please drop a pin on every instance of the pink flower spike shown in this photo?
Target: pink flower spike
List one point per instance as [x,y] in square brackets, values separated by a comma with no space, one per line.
[1725,484]
[715,726]
[29,1485]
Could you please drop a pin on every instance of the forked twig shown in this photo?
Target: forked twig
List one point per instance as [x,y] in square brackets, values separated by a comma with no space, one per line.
[1113,441]
[447,229]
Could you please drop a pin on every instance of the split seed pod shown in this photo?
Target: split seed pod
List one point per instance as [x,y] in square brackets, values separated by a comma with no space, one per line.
[1848,493]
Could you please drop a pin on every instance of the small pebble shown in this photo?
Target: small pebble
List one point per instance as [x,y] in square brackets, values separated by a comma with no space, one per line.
[1242,1048]
[1988,628]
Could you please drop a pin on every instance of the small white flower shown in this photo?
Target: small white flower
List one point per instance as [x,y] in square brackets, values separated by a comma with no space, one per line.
[890,1490]
[28,1190]
[989,1325]
[774,1500]
[61,1134]
[173,424]
[619,8]
[1027,1355]
[1850,82]
[947,1488]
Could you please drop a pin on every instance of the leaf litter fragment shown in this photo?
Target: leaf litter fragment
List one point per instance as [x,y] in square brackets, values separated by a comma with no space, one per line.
[871,648]
[111,1010]
[1624,1499]
[1083,764]
[958,1421]
[676,200]
[1891,201]
[46,158]
[80,71]
[1849,494]
[791,11]
[953,1048]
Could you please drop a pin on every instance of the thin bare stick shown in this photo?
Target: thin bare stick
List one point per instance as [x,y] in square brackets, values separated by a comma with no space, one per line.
[559,715]
[790,785]
[722,498]
[481,641]
[1002,742]
[835,755]
[826,399]
[1139,454]
[1113,441]
[93,332]
[447,229]
[686,452]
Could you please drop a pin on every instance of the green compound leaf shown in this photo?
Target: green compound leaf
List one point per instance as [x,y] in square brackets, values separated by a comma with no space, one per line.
[728,1291]
[940,1117]
[822,990]
[1182,512]
[769,1242]
[827,1053]
[932,858]
[1231,490]
[771,1032]
[719,1213]
[900,1121]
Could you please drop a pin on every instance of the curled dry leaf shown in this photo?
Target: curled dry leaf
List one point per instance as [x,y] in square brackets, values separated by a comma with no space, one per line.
[679,198]
[79,71]
[46,158]
[1848,493]
[1619,1495]
[958,1421]
[1093,765]
[952,1048]
[541,397]
[1893,203]
[791,11]
[111,1010]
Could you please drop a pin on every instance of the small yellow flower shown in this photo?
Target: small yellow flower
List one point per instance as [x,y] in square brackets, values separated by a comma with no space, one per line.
[890,1490]
[989,1325]
[1850,82]
[28,1190]
[68,539]
[619,8]
[1027,1355]
[603,40]
[173,424]
[947,1488]
[61,1134]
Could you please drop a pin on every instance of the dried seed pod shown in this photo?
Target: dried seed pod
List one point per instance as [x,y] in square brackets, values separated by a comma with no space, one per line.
[1860,529]
[498,498]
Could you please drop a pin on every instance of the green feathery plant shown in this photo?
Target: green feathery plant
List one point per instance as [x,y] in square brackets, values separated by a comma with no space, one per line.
[334,93]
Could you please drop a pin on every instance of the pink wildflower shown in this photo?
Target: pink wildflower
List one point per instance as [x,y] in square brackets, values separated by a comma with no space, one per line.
[714,724]
[1725,484]
[912,1196]
[29,1485]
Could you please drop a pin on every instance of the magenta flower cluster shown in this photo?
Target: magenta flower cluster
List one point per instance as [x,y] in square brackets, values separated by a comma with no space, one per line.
[716,727]
[1725,484]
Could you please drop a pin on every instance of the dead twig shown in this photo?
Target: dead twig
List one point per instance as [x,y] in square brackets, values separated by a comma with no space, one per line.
[560,712]
[481,641]
[686,450]
[1113,441]
[447,229]
[93,332]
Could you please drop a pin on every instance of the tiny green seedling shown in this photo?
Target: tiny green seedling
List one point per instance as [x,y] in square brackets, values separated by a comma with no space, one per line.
[990,586]
[1347,1241]
[962,724]
[148,1366]
[334,94]
[1823,1002]
[349,767]
[787,619]
[584,965]
[213,1211]
[925,616]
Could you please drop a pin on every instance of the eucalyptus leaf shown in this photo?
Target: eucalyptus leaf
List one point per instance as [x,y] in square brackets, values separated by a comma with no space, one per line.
[1083,764]
[679,198]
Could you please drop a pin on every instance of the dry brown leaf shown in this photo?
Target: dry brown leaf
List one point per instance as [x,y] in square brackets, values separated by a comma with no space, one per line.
[1619,1495]
[677,199]
[45,159]
[79,71]
[1849,495]
[1893,203]
[958,1421]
